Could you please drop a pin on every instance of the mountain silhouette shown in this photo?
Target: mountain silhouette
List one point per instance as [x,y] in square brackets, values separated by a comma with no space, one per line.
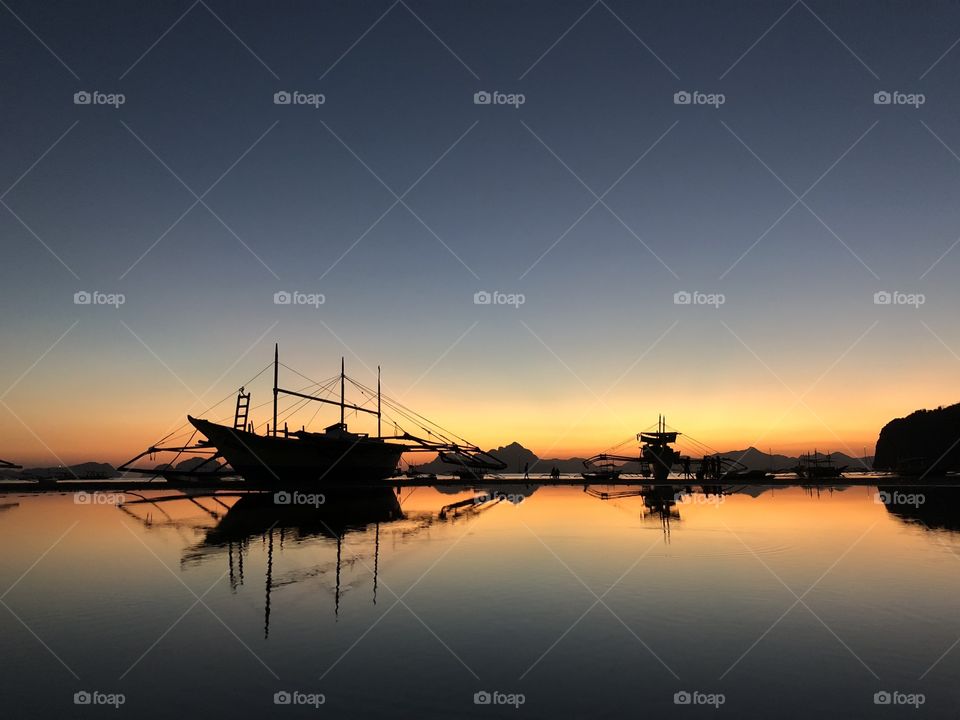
[924,441]
[516,455]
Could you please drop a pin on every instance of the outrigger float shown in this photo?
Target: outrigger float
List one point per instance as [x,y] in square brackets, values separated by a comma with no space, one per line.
[334,457]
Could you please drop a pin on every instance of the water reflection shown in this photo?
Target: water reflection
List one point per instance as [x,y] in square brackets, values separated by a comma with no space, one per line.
[699,574]
[931,507]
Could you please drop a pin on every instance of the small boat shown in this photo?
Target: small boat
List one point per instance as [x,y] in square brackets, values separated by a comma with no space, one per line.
[657,450]
[5,465]
[657,457]
[716,468]
[607,472]
[814,466]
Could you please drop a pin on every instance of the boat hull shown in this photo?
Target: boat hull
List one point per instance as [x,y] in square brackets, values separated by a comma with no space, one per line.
[312,459]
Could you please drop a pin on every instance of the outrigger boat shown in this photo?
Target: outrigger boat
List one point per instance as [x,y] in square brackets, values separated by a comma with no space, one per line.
[5,465]
[335,456]
[470,466]
[717,468]
[657,457]
[814,466]
[600,469]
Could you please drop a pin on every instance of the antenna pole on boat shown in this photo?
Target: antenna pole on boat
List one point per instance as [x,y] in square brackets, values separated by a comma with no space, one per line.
[341,390]
[379,434]
[276,370]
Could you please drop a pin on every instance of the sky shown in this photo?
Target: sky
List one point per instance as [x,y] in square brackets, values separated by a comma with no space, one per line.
[583,199]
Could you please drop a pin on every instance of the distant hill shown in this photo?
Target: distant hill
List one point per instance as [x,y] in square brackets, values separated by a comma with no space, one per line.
[515,456]
[191,464]
[82,471]
[927,437]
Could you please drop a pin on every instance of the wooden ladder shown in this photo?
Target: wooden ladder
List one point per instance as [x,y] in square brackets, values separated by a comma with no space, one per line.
[243,410]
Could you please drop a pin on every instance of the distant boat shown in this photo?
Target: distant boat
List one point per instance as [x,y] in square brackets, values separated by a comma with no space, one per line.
[657,457]
[657,450]
[5,465]
[814,466]
[715,468]
[604,472]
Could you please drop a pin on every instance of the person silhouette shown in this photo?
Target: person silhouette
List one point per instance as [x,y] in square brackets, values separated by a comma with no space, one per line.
[526,471]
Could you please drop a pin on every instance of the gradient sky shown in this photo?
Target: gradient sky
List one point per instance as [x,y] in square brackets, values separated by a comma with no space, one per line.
[798,356]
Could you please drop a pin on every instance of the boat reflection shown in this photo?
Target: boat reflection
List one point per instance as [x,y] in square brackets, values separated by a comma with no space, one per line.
[313,523]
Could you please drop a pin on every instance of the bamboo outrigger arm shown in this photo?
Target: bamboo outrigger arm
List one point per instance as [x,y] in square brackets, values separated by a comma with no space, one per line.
[170,470]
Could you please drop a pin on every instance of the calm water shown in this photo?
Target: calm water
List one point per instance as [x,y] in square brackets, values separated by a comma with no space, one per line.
[580,606]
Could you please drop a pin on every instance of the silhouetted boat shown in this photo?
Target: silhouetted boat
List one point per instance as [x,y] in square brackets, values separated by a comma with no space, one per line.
[716,468]
[656,457]
[5,465]
[471,466]
[814,466]
[333,457]
[657,450]
[604,471]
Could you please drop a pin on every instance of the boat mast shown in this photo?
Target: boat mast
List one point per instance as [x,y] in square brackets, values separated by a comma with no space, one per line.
[276,369]
[379,434]
[341,390]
